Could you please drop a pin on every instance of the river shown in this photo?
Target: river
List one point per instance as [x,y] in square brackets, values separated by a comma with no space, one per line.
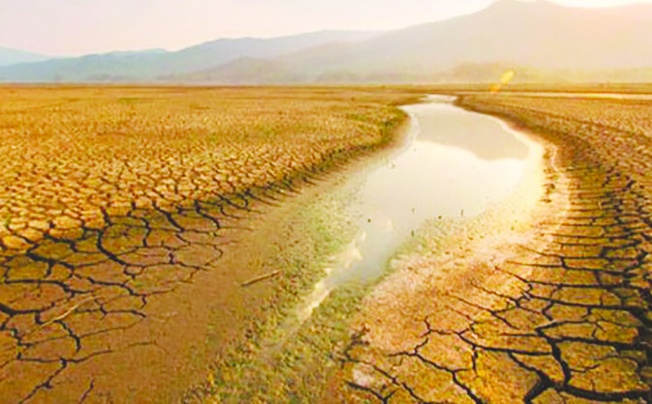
[455,164]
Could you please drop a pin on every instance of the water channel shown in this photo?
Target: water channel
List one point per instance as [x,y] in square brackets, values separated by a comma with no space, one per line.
[454,164]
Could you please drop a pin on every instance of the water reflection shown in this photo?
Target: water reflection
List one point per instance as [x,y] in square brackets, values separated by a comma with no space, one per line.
[447,125]
[458,164]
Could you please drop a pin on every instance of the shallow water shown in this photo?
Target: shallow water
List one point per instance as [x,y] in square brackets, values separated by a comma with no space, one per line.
[455,164]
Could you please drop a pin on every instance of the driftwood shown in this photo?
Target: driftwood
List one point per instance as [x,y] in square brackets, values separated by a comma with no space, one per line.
[260,278]
[69,311]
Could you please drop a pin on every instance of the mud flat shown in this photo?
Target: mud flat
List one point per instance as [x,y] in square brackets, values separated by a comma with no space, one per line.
[456,172]
[455,166]
[132,220]
[539,293]
[548,306]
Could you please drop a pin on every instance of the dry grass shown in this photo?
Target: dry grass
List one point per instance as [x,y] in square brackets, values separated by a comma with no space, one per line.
[71,155]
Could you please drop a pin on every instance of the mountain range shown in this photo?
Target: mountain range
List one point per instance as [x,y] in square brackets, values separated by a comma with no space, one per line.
[14,56]
[541,40]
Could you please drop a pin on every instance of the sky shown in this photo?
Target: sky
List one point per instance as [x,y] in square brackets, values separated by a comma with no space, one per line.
[75,27]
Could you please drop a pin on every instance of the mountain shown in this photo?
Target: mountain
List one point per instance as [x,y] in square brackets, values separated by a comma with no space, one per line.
[14,56]
[545,41]
[246,70]
[152,65]
[542,41]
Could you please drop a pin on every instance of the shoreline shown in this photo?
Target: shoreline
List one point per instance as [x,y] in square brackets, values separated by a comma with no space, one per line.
[435,263]
[328,326]
[157,325]
[456,303]
[530,325]
[294,214]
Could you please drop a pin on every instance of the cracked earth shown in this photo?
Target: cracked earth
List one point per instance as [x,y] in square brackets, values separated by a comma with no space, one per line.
[562,313]
[119,209]
[112,255]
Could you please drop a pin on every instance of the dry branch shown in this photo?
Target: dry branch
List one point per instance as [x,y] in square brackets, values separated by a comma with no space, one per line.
[260,278]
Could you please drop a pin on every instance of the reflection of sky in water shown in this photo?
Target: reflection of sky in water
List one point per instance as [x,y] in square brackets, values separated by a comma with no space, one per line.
[426,181]
[443,173]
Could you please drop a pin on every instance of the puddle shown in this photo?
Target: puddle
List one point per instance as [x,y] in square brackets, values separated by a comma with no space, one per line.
[455,164]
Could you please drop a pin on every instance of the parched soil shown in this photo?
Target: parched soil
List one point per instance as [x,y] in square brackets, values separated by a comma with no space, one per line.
[130,217]
[556,311]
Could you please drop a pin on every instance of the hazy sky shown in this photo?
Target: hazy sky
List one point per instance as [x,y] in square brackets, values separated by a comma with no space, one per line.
[72,27]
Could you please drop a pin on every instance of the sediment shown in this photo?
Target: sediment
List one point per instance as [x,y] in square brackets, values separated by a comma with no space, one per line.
[108,299]
[559,314]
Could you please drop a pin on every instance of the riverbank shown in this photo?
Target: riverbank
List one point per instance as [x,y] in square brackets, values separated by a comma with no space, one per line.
[295,356]
[427,271]
[557,312]
[271,353]
[548,288]
[139,302]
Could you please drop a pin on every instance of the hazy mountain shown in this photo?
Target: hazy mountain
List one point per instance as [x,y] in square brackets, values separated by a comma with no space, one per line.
[226,50]
[15,56]
[539,39]
[244,70]
[544,40]
[150,65]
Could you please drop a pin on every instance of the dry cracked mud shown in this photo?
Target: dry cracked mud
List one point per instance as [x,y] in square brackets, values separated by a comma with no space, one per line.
[118,206]
[564,315]
[107,252]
